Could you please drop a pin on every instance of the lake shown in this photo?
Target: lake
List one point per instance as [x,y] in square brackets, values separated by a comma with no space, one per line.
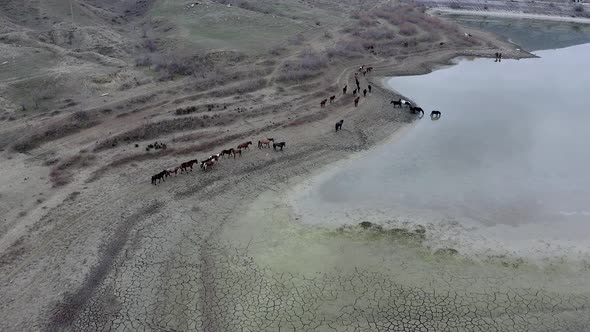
[504,171]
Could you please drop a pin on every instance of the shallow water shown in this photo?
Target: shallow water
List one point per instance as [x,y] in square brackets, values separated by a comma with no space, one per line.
[504,170]
[532,35]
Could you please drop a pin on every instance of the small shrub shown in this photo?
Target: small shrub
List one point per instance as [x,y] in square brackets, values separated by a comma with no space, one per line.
[407,29]
[579,9]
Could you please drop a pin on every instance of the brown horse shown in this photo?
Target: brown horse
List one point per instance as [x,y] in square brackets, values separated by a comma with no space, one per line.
[228,152]
[332,99]
[207,165]
[236,152]
[244,145]
[323,103]
[265,142]
[356,101]
[189,164]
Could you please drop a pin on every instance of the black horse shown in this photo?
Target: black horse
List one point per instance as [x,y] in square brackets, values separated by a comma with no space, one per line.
[278,145]
[435,114]
[370,88]
[160,177]
[396,103]
[364,92]
[339,125]
[344,89]
[416,110]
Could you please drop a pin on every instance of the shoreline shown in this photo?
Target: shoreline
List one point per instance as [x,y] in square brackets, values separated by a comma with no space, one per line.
[508,14]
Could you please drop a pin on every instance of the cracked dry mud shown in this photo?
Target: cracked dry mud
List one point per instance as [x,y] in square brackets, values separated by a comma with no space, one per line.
[222,251]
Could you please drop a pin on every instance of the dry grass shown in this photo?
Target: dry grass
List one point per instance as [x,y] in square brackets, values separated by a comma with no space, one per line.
[308,65]
[70,125]
[62,173]
[241,88]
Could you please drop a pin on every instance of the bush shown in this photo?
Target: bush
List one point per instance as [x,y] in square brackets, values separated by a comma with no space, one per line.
[345,49]
[308,65]
[579,9]
[407,29]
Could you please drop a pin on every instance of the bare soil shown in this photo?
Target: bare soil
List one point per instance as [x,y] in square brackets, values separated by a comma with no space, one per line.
[86,242]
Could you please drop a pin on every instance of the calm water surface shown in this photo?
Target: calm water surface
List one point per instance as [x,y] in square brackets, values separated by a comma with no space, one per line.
[509,159]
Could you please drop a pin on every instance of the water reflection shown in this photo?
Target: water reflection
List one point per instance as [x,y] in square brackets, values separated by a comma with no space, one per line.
[511,149]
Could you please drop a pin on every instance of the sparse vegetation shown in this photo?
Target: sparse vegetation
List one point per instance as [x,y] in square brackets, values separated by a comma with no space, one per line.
[70,125]
[308,65]
[62,173]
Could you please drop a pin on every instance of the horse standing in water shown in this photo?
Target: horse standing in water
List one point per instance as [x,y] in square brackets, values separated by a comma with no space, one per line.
[435,115]
[416,110]
[339,125]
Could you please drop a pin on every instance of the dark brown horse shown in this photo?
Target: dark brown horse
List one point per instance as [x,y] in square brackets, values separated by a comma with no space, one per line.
[228,152]
[354,92]
[356,101]
[280,145]
[370,88]
[159,177]
[364,92]
[189,164]
[416,110]
[332,99]
[344,89]
[339,125]
[244,145]
[396,103]
[435,114]
[237,152]
[323,103]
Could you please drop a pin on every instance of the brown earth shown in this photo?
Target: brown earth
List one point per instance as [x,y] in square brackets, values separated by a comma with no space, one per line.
[84,236]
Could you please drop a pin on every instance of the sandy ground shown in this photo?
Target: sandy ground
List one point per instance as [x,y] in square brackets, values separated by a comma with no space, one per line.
[110,251]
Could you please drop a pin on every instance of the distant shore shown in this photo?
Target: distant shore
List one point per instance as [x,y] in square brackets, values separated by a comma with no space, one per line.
[509,14]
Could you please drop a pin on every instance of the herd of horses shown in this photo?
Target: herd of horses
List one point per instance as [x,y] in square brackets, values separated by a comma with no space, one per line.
[210,162]
[364,70]
[414,109]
